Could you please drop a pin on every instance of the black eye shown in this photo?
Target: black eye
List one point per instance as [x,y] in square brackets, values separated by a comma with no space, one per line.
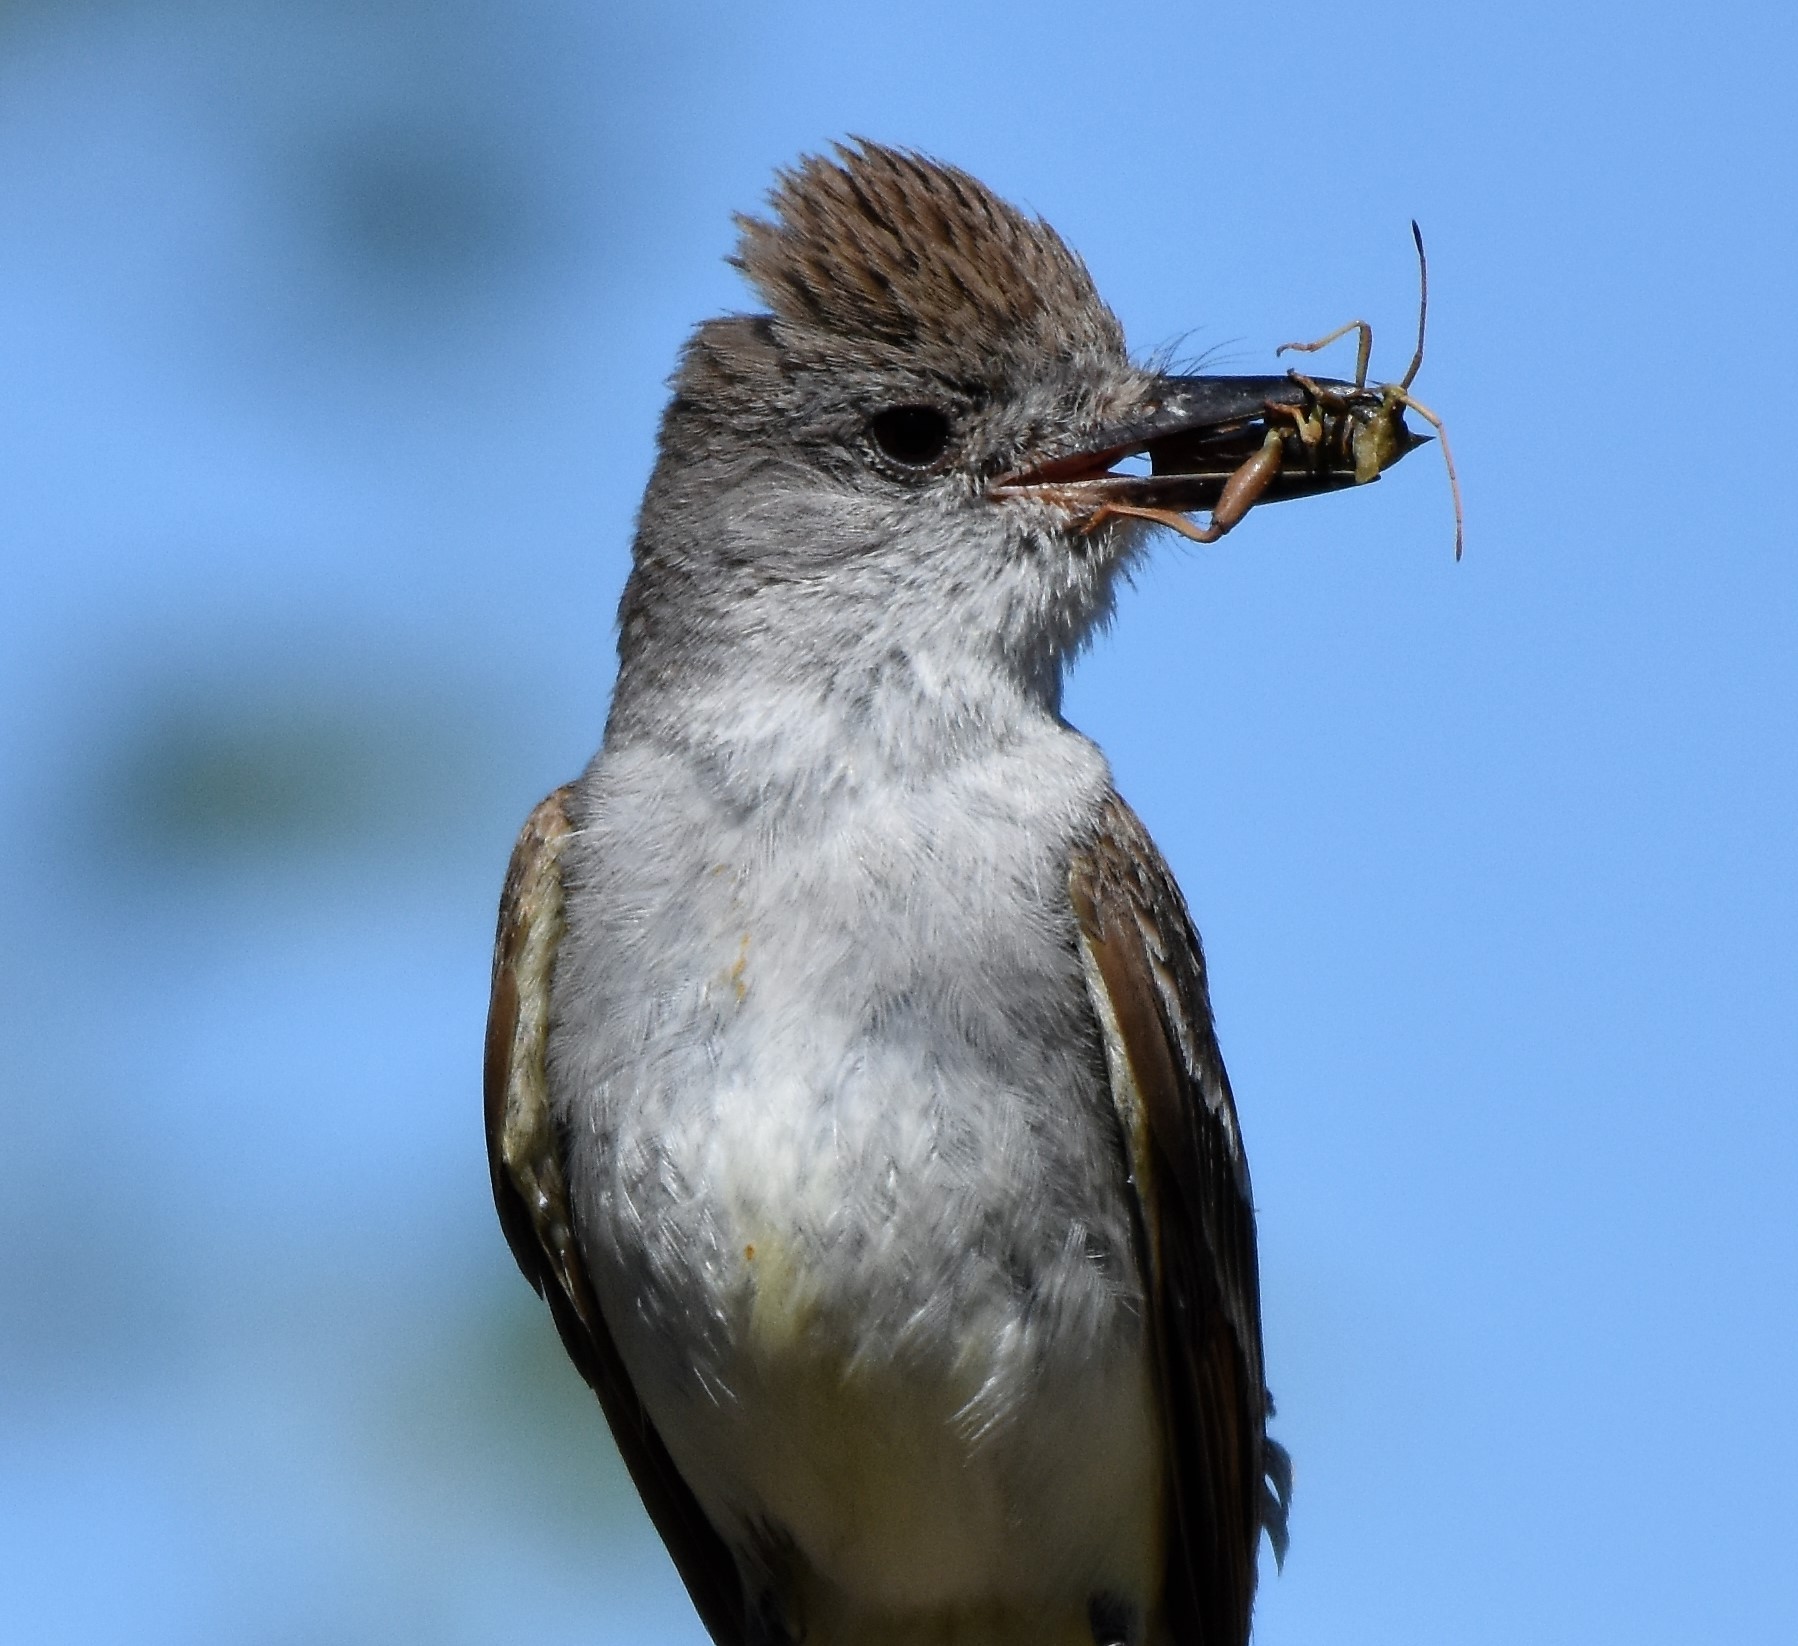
[912,436]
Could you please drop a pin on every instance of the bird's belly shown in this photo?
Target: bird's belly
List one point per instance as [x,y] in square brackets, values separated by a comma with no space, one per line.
[924,1364]
[982,1477]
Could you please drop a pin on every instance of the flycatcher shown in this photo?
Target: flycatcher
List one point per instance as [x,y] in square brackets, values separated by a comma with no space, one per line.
[852,1092]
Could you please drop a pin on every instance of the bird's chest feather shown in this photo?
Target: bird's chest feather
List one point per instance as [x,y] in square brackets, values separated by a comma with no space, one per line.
[864,1090]
[851,1182]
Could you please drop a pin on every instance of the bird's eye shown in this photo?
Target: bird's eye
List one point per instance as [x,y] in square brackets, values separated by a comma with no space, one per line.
[914,437]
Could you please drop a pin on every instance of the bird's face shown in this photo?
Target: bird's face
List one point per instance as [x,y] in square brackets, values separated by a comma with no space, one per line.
[890,492]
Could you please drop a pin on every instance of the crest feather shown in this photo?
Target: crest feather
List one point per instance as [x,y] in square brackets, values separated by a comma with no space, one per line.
[885,245]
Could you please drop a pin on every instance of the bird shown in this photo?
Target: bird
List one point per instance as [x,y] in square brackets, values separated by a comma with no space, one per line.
[853,1095]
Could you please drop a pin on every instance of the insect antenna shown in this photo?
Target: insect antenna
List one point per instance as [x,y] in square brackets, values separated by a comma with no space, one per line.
[1448,457]
[1423,305]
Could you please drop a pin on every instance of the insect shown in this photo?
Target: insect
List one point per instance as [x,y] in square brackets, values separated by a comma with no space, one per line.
[1373,437]
[1248,440]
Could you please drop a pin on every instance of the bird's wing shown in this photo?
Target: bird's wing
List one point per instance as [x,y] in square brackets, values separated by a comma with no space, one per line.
[1146,974]
[530,1189]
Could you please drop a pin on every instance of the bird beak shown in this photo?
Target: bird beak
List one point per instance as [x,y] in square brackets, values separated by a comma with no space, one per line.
[1197,432]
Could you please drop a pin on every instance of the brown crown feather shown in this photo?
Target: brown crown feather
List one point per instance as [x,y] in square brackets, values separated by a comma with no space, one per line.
[889,246]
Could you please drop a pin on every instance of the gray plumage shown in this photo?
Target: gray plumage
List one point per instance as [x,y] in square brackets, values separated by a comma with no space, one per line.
[852,1088]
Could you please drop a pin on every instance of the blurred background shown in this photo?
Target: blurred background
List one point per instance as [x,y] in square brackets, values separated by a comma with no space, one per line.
[332,341]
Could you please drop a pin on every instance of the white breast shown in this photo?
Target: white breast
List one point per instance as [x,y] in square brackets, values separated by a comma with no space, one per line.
[850,1183]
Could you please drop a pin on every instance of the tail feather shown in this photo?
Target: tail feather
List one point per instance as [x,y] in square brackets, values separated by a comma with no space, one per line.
[1276,1498]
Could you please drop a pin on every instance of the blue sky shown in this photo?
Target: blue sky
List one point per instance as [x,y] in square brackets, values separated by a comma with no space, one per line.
[332,341]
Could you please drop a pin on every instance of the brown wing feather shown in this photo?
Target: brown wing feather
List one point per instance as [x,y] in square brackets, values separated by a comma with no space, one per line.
[524,1152]
[1197,1224]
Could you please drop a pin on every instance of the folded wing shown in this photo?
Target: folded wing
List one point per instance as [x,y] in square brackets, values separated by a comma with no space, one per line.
[530,1189]
[1146,974]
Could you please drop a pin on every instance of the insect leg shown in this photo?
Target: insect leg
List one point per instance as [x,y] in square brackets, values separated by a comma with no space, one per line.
[1240,494]
[1363,349]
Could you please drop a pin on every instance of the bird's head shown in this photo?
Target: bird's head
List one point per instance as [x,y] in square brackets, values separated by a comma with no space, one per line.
[897,459]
